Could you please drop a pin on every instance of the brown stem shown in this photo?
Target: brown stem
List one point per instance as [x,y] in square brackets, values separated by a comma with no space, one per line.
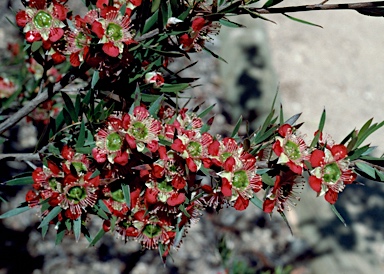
[321,6]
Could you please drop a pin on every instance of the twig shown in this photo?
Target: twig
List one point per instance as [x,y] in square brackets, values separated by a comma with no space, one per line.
[321,6]
[20,157]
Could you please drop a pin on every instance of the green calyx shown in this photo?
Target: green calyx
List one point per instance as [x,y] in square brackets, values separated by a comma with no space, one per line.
[194,149]
[139,130]
[240,179]
[332,173]
[81,40]
[113,142]
[114,32]
[42,20]
[118,196]
[152,231]
[164,187]
[76,194]
[292,150]
[225,156]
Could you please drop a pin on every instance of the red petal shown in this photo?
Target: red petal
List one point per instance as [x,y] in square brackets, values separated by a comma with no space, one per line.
[55,34]
[32,36]
[101,3]
[130,140]
[97,28]
[178,182]
[229,164]
[226,188]
[21,18]
[191,165]
[121,158]
[283,130]
[74,59]
[60,12]
[198,24]
[331,196]
[241,203]
[176,199]
[151,195]
[317,158]
[277,149]
[178,146]
[315,183]
[339,152]
[269,205]
[126,121]
[295,168]
[111,49]
[53,167]
[58,58]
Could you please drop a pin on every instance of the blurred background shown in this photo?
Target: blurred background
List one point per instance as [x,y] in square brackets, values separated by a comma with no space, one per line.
[338,67]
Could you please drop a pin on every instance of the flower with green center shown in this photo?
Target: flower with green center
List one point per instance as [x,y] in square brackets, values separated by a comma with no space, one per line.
[113,31]
[43,22]
[142,130]
[291,149]
[240,180]
[79,193]
[331,171]
[113,142]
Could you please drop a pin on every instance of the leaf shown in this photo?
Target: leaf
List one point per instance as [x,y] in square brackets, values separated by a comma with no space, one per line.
[206,111]
[267,179]
[20,181]
[77,228]
[271,3]
[155,106]
[59,236]
[98,236]
[36,46]
[237,127]
[69,106]
[95,79]
[174,87]
[215,55]
[14,212]
[150,22]
[286,221]
[227,23]
[81,138]
[51,215]
[127,194]
[338,214]
[291,121]
[302,21]
[372,11]
[367,169]
[257,202]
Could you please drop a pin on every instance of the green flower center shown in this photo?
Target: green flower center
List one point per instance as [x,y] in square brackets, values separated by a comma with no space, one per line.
[292,150]
[118,196]
[240,179]
[225,156]
[42,20]
[332,173]
[114,31]
[76,194]
[53,183]
[152,231]
[139,130]
[194,149]
[114,142]
[80,167]
[164,187]
[81,40]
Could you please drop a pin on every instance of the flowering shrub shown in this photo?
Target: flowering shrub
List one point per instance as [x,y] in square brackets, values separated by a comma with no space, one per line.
[120,147]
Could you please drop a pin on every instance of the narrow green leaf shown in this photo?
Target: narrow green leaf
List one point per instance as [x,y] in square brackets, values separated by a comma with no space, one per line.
[237,127]
[302,21]
[127,194]
[257,202]
[81,139]
[155,106]
[44,231]
[98,236]
[206,111]
[267,179]
[214,54]
[174,87]
[51,215]
[271,3]
[281,115]
[338,214]
[227,23]
[150,22]
[320,129]
[59,236]
[291,121]
[380,175]
[137,97]
[95,79]
[364,128]
[36,46]
[286,221]
[20,181]
[14,212]
[366,169]
[77,228]
[69,106]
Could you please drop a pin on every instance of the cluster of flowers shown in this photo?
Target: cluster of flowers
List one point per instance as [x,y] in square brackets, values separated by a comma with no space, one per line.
[105,29]
[145,169]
